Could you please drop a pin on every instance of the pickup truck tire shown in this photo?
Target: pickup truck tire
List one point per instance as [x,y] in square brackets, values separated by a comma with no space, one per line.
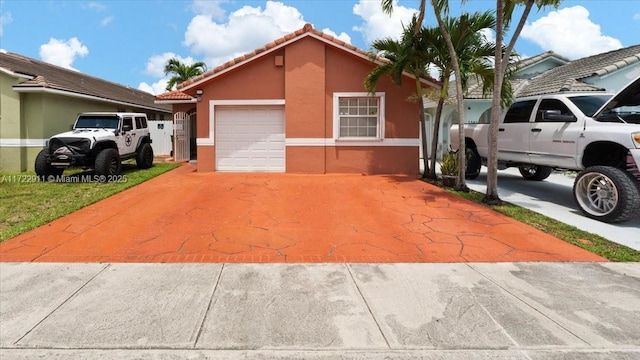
[474,163]
[107,162]
[144,157]
[534,172]
[607,194]
[44,170]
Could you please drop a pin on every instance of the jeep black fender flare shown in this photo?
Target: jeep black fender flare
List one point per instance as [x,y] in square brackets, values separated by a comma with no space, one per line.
[143,140]
[100,145]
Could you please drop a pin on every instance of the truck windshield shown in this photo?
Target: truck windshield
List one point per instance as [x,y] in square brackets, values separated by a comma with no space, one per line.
[590,104]
[97,121]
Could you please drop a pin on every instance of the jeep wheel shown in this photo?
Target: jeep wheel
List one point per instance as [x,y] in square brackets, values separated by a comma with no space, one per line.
[44,170]
[534,172]
[107,162]
[474,163]
[607,194]
[144,157]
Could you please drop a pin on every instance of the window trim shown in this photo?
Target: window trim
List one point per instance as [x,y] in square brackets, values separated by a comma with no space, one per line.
[336,116]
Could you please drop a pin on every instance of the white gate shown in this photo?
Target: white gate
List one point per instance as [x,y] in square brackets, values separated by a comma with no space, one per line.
[161,132]
[181,135]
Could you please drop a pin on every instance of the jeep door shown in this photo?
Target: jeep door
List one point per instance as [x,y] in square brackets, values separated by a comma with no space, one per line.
[513,132]
[553,135]
[127,140]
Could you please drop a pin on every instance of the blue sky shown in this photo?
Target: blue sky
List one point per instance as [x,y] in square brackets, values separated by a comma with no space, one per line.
[128,42]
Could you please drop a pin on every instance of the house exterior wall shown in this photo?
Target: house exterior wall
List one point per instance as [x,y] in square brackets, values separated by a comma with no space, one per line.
[305,75]
[305,99]
[259,79]
[9,124]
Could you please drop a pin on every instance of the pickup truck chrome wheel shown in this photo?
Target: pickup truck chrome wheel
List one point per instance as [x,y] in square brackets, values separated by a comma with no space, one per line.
[607,194]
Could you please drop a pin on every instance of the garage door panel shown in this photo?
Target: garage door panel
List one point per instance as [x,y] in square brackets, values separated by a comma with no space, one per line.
[250,139]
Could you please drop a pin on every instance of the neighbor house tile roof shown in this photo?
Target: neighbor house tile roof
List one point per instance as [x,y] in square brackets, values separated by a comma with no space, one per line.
[474,85]
[524,63]
[174,95]
[571,76]
[41,75]
[271,46]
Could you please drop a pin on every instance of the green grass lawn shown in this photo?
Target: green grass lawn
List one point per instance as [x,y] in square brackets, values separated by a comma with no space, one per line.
[591,242]
[26,204]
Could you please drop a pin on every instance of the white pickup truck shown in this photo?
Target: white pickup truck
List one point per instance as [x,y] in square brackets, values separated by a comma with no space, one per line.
[596,134]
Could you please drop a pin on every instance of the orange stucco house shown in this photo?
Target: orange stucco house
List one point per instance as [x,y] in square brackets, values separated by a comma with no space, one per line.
[298,105]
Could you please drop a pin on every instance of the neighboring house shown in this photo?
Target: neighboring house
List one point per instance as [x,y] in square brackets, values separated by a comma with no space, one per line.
[298,105]
[549,73]
[38,100]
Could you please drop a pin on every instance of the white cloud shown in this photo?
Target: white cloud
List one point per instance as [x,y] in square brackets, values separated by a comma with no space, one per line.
[246,29]
[209,8]
[94,5]
[376,24]
[5,18]
[156,63]
[62,53]
[156,88]
[569,32]
[106,21]
[489,35]
[343,35]
[636,16]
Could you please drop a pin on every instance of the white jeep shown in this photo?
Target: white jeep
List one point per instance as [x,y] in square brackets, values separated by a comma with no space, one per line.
[594,133]
[98,141]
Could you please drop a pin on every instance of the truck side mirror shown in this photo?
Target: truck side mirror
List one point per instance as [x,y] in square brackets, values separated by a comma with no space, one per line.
[127,127]
[556,116]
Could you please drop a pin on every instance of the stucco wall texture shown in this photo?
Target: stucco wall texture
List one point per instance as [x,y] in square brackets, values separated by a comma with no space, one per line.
[306,74]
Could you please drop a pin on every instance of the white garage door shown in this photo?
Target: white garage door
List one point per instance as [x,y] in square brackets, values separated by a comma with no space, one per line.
[250,139]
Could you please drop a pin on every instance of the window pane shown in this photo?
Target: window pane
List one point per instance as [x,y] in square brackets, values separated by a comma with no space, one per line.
[358,117]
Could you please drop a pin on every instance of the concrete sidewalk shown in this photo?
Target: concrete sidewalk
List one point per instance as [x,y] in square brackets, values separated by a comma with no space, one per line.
[320,311]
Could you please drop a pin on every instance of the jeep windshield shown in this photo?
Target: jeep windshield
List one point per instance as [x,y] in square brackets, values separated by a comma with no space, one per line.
[97,122]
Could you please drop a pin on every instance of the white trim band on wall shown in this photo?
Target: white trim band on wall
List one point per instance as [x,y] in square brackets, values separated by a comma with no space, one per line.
[352,142]
[22,142]
[334,142]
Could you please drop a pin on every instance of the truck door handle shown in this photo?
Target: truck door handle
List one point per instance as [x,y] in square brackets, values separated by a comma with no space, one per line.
[500,129]
[536,130]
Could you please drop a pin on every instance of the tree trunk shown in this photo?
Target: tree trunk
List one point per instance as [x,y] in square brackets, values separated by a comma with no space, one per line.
[423,131]
[500,68]
[434,141]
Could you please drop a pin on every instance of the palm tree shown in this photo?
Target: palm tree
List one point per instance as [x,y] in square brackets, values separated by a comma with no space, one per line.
[505,9]
[411,55]
[182,72]
[474,54]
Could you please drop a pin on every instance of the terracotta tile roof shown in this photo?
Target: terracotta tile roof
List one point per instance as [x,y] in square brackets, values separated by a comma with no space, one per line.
[304,31]
[571,76]
[39,74]
[174,95]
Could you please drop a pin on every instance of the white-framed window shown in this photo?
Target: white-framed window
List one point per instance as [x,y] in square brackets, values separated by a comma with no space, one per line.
[358,116]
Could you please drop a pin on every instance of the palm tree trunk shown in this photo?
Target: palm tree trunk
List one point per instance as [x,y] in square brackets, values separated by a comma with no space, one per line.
[423,131]
[436,136]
